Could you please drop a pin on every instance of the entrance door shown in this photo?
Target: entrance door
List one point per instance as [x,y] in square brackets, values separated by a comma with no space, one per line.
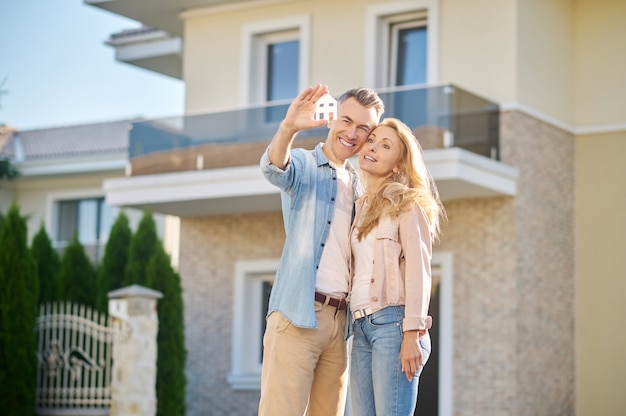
[428,393]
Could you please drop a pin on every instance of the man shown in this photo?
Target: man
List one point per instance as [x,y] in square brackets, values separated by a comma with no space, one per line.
[305,355]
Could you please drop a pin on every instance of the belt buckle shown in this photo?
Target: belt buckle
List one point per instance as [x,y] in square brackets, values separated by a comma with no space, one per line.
[361,313]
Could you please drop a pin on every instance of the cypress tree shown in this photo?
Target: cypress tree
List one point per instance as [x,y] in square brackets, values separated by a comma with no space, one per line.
[19,292]
[141,249]
[171,352]
[110,275]
[48,263]
[8,170]
[77,280]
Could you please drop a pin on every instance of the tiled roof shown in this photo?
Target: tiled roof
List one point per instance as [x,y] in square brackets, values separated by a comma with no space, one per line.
[5,135]
[143,30]
[71,141]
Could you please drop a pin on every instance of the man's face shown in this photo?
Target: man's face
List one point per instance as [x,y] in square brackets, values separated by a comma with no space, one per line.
[349,131]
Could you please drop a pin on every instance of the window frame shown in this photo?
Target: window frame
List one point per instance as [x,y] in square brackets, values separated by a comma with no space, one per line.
[245,372]
[443,264]
[99,232]
[379,21]
[396,24]
[255,37]
[52,225]
[260,83]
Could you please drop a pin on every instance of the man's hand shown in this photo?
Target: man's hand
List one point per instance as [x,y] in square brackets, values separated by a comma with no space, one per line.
[299,117]
[300,113]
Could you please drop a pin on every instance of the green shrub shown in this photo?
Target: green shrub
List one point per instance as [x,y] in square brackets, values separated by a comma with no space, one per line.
[77,280]
[19,293]
[141,249]
[48,263]
[171,351]
[110,275]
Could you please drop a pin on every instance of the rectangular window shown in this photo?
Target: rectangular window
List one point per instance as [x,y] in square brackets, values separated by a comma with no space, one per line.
[407,50]
[89,219]
[282,70]
[280,59]
[408,55]
[275,60]
[404,43]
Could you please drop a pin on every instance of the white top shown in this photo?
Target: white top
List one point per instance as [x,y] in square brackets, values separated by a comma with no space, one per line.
[363,253]
[333,273]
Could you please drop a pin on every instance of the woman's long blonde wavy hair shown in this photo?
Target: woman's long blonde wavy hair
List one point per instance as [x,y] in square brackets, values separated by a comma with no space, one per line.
[411,186]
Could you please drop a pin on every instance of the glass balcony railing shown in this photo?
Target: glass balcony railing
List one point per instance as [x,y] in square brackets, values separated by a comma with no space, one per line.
[441,116]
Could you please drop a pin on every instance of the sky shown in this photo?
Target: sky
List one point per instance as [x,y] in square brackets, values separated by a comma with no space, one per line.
[56,70]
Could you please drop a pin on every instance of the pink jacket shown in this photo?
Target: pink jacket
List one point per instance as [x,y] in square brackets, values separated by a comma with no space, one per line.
[402,272]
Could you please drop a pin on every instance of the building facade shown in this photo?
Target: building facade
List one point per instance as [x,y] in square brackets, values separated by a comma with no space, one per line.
[528,273]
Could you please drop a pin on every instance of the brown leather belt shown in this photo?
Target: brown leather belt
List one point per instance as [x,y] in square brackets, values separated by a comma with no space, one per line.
[340,304]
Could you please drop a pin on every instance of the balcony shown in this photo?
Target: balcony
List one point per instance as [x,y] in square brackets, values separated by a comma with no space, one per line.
[161,14]
[208,164]
[149,48]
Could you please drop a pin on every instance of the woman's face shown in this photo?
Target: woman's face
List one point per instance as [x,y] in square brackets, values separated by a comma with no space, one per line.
[381,153]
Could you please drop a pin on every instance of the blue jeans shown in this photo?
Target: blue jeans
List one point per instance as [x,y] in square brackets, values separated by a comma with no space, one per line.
[377,384]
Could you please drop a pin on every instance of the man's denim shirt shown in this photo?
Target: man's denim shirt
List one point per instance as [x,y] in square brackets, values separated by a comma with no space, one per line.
[308,188]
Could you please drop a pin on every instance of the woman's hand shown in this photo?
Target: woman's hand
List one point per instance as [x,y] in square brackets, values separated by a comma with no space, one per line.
[410,354]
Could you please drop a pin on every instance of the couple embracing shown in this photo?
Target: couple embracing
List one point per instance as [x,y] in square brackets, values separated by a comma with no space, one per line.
[356,262]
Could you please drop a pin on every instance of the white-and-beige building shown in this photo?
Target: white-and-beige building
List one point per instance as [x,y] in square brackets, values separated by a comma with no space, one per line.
[61,170]
[519,105]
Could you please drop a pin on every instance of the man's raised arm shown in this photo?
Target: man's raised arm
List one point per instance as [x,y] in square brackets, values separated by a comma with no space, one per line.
[299,117]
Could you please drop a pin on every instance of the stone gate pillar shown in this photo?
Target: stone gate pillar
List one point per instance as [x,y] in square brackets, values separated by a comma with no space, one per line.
[133,314]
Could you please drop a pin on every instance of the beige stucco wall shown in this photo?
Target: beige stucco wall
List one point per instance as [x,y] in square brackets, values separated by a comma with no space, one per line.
[7,195]
[511,51]
[212,69]
[542,55]
[211,62]
[477,46]
[600,274]
[600,62]
[545,57]
[600,206]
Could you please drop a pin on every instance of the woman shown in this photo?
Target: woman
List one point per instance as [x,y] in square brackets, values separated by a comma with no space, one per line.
[397,220]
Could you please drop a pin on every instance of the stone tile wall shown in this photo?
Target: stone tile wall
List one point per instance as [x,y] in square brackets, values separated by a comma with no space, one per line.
[481,234]
[210,246]
[545,269]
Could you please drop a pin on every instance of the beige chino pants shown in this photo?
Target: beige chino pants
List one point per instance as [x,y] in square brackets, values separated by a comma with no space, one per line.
[305,370]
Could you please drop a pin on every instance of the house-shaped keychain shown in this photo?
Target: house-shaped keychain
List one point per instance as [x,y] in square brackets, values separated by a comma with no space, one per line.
[326,108]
